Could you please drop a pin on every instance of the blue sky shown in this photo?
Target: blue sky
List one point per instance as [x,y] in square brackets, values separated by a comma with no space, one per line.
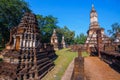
[75,14]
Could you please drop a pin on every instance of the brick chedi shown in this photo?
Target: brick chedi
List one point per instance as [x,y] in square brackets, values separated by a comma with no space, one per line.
[54,40]
[25,57]
[91,40]
[63,44]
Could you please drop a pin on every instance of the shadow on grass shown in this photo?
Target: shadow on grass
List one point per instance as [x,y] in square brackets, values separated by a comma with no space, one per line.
[55,57]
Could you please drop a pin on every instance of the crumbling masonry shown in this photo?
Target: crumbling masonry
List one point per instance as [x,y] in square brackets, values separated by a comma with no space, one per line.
[25,57]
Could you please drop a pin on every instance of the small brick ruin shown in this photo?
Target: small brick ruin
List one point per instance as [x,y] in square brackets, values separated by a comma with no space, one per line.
[63,44]
[56,44]
[54,40]
[25,57]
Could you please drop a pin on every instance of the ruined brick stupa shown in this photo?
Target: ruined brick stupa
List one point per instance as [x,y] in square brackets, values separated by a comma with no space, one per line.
[91,40]
[25,58]
[63,44]
[54,40]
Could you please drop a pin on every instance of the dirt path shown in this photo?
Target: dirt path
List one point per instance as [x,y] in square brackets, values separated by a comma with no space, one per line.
[95,69]
[68,73]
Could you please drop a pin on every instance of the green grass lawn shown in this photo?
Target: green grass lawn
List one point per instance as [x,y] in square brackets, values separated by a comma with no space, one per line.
[61,64]
[85,54]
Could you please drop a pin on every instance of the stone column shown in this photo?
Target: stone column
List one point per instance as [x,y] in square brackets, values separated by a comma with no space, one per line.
[34,41]
[14,41]
[31,41]
[25,40]
[21,41]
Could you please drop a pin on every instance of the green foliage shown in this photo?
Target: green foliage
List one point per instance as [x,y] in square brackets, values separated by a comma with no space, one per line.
[11,12]
[68,34]
[80,39]
[115,28]
[46,25]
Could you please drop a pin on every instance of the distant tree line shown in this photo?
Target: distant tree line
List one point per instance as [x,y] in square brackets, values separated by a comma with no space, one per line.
[11,12]
[48,23]
[80,39]
[115,27]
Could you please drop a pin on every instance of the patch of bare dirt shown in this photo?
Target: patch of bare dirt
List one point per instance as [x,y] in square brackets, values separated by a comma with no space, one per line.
[96,69]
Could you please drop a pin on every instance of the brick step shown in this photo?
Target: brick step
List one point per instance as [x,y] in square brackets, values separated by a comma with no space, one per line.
[41,53]
[41,56]
[42,60]
[44,63]
[43,74]
[45,68]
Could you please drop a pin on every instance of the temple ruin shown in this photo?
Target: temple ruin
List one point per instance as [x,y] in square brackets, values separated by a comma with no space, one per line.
[63,44]
[91,40]
[54,40]
[25,57]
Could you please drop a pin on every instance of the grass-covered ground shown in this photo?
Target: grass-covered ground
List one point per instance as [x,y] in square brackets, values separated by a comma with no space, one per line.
[85,54]
[61,64]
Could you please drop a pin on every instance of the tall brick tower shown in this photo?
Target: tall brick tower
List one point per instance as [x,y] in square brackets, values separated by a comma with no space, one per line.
[94,26]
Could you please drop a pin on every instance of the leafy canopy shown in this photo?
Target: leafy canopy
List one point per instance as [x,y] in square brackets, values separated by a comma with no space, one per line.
[114,29]
[11,12]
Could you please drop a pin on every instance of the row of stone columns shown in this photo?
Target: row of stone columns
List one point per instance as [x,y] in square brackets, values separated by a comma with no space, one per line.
[29,41]
[26,42]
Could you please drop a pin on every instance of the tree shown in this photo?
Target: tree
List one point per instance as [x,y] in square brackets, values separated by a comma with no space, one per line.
[68,35]
[11,12]
[80,39]
[47,24]
[114,30]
